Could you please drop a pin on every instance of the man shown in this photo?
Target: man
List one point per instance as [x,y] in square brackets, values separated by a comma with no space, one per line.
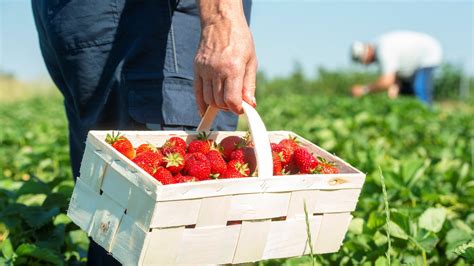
[407,60]
[132,65]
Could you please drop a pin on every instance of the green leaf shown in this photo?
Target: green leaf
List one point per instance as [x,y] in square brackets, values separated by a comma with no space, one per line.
[457,236]
[381,261]
[356,226]
[432,219]
[32,199]
[397,231]
[37,216]
[7,249]
[77,239]
[56,200]
[43,254]
[410,167]
[62,219]
[33,186]
[428,242]
[376,220]
[380,239]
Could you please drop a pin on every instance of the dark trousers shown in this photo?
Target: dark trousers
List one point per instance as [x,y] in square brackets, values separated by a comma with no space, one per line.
[420,85]
[122,64]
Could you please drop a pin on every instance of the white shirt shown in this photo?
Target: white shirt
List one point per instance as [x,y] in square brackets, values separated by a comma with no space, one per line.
[403,52]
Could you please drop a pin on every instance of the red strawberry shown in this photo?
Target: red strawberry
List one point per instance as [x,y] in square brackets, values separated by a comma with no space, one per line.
[305,161]
[229,144]
[277,168]
[147,167]
[291,143]
[184,178]
[175,142]
[164,176]
[291,168]
[238,166]
[237,154]
[121,144]
[202,144]
[197,165]
[230,173]
[174,162]
[173,149]
[284,152]
[326,167]
[218,164]
[146,147]
[149,159]
[273,145]
[246,155]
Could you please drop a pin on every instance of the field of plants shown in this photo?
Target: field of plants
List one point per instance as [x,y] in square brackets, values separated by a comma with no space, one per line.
[423,156]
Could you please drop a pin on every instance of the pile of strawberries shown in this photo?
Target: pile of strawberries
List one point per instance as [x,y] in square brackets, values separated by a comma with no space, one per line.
[204,159]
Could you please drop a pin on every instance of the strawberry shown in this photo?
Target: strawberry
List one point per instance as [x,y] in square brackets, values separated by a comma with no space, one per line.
[184,178]
[291,143]
[202,144]
[285,152]
[218,164]
[326,167]
[147,167]
[273,145]
[149,159]
[174,162]
[277,168]
[175,142]
[305,161]
[231,173]
[229,144]
[237,154]
[121,144]
[291,168]
[173,149]
[238,166]
[246,155]
[197,165]
[164,176]
[146,147]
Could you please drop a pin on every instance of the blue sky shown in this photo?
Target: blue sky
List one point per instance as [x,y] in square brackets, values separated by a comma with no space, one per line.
[314,33]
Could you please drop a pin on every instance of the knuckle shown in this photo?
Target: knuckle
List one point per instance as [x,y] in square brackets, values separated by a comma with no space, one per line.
[231,102]
[231,67]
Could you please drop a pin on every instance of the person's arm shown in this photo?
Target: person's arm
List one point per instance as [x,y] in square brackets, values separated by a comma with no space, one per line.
[381,84]
[225,65]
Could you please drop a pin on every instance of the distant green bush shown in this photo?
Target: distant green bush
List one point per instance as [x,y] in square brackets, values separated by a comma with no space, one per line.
[448,82]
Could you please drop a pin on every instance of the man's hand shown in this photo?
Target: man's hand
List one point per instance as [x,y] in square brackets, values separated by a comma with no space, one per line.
[359,90]
[225,65]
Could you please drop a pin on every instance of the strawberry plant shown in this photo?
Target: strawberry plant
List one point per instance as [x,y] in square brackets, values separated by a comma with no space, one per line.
[425,156]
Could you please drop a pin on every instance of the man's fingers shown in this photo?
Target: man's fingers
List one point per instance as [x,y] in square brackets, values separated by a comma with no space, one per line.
[233,94]
[207,92]
[250,79]
[199,95]
[218,92]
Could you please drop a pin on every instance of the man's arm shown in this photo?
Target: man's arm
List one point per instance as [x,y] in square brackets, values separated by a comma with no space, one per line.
[225,65]
[382,83]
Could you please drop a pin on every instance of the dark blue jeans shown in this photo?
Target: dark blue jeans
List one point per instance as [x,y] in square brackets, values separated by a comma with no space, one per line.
[122,64]
[420,85]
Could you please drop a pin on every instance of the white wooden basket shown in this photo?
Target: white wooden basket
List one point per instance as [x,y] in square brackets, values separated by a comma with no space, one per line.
[141,222]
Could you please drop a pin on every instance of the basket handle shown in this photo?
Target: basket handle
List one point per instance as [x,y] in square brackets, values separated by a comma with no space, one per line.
[263,152]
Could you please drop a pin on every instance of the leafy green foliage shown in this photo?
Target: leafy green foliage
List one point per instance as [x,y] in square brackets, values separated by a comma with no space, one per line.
[35,186]
[425,156]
